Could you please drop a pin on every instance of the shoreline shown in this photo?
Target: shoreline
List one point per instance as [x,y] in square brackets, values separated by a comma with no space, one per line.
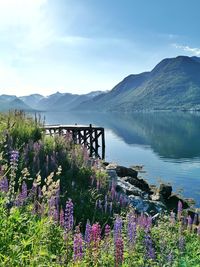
[142,196]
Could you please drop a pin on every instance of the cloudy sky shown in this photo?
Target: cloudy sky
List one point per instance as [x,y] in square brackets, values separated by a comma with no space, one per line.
[84,45]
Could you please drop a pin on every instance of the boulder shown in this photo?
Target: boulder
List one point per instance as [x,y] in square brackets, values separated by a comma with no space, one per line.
[139,183]
[165,190]
[172,202]
[123,171]
[146,206]
[128,189]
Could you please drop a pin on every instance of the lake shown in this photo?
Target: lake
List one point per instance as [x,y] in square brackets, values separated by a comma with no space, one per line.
[166,143]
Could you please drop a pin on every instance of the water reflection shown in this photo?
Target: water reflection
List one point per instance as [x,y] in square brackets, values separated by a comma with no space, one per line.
[173,136]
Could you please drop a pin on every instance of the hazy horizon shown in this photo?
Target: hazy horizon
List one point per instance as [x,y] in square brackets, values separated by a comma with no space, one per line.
[82,46]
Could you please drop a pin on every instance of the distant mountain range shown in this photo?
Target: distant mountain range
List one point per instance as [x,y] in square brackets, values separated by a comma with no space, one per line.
[174,84]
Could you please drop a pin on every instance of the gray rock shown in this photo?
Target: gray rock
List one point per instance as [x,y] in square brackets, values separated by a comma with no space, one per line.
[139,183]
[123,171]
[142,205]
[128,189]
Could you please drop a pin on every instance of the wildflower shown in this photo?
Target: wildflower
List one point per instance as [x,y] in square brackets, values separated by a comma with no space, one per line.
[181,243]
[131,229]
[14,157]
[170,258]
[189,219]
[111,205]
[62,218]
[96,234]
[78,245]
[117,227]
[180,208]
[106,206]
[88,230]
[69,215]
[150,252]
[4,185]
[107,231]
[119,251]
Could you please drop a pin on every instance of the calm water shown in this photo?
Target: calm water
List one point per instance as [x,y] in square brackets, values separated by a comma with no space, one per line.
[167,144]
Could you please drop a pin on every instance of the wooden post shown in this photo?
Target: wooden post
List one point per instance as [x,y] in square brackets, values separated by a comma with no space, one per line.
[103,144]
[90,133]
[96,142]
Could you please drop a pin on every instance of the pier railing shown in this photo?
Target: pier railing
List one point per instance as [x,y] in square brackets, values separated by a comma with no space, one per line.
[90,136]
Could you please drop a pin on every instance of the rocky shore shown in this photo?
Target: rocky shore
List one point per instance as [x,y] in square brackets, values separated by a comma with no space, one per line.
[143,197]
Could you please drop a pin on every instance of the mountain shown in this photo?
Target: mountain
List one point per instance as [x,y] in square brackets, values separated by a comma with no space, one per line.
[8,102]
[31,100]
[173,84]
[54,102]
[64,101]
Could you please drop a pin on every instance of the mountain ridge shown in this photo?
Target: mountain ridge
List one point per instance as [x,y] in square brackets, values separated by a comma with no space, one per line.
[173,84]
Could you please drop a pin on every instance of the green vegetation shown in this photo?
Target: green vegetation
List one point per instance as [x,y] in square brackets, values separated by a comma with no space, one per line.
[173,84]
[58,208]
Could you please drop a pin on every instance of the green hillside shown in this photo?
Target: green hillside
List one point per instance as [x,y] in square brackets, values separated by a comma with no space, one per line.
[173,84]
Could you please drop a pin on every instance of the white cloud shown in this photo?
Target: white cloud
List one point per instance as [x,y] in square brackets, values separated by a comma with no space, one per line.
[24,23]
[193,50]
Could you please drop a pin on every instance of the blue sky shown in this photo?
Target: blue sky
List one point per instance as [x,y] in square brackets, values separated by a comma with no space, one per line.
[83,45]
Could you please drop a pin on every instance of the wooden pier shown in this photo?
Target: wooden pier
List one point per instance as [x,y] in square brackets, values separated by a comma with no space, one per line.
[92,137]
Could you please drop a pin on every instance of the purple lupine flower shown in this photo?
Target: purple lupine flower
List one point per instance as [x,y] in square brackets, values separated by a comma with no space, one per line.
[148,223]
[14,157]
[98,185]
[106,206]
[150,252]
[110,207]
[189,219]
[180,208]
[22,195]
[4,185]
[117,228]
[88,230]
[52,205]
[96,235]
[62,218]
[131,229]
[119,251]
[69,215]
[107,231]
[33,191]
[170,258]
[78,245]
[181,243]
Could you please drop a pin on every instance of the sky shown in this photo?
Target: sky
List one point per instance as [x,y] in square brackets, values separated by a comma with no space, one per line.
[79,46]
